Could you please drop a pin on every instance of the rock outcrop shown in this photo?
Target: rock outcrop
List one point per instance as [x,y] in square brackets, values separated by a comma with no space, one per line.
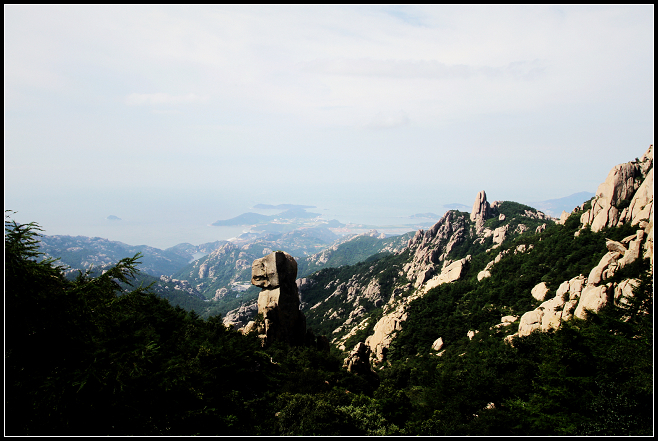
[581,295]
[450,272]
[278,302]
[438,344]
[430,248]
[506,321]
[539,291]
[395,310]
[625,196]
[241,316]
[481,211]
[550,313]
[358,361]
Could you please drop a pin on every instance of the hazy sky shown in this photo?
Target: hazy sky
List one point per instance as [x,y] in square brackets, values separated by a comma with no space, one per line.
[167,107]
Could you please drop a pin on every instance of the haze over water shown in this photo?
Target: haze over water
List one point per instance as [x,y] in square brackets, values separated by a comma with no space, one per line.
[165,220]
[173,117]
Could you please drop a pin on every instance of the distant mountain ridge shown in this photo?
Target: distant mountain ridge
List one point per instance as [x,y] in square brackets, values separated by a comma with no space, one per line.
[80,252]
[555,207]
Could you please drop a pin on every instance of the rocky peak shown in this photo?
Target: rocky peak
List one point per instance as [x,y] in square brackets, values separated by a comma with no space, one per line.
[481,210]
[431,247]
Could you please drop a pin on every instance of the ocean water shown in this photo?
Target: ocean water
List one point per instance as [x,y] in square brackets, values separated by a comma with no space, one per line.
[165,219]
[165,233]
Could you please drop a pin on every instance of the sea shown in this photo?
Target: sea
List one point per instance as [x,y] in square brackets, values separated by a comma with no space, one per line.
[168,220]
[165,218]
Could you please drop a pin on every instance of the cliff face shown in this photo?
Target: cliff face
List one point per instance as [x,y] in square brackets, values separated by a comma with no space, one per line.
[625,196]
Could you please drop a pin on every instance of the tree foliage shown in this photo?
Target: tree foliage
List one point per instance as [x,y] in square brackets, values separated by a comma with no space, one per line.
[97,355]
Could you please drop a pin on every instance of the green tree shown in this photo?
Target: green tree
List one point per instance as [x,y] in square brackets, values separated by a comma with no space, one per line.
[88,357]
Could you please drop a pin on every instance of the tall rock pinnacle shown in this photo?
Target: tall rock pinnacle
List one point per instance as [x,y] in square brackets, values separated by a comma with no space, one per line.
[278,302]
[481,210]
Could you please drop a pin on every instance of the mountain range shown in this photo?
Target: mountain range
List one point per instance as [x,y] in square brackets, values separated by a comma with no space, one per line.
[219,272]
[501,320]
[350,284]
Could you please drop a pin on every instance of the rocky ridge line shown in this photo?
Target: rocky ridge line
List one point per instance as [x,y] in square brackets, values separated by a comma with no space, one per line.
[430,267]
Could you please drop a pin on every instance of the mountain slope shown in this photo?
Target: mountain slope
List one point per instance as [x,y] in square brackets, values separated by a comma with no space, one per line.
[486,269]
[377,294]
[79,252]
[347,251]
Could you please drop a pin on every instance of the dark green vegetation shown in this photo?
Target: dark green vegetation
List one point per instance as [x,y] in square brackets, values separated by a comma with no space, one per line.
[451,310]
[86,357]
[572,381]
[517,213]
[94,356]
[576,380]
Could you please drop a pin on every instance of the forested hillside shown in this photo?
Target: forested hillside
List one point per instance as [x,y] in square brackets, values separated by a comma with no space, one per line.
[93,359]
[498,322]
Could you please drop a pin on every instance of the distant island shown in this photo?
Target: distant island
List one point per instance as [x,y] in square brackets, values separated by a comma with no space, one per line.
[243,219]
[112,217]
[554,207]
[292,214]
[281,207]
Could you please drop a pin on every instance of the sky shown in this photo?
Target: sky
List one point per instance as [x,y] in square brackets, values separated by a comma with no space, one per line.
[190,114]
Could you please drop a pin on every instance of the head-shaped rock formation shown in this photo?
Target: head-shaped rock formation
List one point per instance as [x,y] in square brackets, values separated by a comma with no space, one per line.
[274,270]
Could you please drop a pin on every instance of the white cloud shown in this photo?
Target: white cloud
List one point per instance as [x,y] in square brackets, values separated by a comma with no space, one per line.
[140,99]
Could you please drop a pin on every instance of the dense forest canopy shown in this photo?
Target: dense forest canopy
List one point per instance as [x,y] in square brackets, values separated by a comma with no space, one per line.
[95,356]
